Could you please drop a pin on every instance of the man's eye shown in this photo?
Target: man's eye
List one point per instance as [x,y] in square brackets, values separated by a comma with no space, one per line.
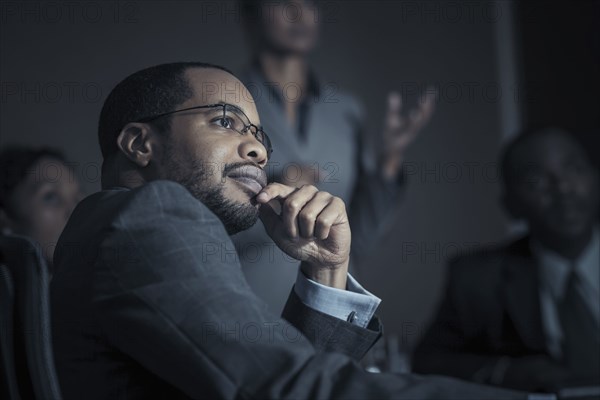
[50,198]
[225,122]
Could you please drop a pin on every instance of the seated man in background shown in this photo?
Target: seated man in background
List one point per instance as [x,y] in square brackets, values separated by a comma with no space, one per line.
[148,298]
[38,191]
[527,315]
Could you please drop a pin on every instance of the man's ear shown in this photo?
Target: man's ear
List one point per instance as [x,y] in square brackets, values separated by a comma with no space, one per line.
[137,141]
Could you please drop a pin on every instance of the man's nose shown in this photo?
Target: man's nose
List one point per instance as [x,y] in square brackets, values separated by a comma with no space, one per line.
[253,150]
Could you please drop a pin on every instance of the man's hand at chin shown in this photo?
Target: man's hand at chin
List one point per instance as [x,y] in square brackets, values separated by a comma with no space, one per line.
[312,227]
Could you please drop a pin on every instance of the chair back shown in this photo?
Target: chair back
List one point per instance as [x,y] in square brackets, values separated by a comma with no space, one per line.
[26,352]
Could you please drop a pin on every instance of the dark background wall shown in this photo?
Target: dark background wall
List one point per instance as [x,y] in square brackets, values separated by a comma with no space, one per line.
[560,51]
[59,60]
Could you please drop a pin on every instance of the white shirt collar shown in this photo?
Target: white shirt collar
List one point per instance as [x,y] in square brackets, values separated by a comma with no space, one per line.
[554,269]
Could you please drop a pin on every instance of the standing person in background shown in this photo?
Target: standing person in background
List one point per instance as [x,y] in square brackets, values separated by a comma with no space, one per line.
[318,133]
[38,192]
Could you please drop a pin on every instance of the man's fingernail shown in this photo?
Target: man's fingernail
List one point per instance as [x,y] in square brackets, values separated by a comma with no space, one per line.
[262,197]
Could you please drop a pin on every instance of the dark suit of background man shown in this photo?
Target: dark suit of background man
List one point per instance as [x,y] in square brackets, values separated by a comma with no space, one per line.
[148,298]
[527,315]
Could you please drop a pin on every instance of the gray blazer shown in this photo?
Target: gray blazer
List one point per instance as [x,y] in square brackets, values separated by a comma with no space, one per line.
[149,302]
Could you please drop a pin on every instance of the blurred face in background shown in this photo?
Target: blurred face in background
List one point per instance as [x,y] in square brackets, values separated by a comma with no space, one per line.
[555,186]
[287,27]
[40,206]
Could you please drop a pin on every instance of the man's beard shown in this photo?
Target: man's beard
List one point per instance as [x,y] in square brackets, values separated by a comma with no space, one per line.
[236,217]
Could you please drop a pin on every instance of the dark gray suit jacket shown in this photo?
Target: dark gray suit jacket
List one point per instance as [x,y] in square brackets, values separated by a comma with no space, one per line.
[148,301]
[491,310]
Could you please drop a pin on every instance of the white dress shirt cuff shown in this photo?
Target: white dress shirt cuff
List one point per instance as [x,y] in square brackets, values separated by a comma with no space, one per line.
[355,304]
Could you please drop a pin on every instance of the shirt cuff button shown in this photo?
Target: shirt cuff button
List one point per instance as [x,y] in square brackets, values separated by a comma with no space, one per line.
[351,317]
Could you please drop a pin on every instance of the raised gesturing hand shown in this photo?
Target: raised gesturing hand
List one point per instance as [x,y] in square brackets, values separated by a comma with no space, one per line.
[400,131]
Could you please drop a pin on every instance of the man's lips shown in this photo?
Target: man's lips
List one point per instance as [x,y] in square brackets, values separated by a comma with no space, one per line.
[253,178]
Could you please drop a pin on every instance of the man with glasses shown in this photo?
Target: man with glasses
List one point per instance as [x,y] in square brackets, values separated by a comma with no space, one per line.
[148,297]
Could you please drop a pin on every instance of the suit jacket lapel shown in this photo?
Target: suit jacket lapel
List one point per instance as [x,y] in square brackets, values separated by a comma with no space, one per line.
[521,295]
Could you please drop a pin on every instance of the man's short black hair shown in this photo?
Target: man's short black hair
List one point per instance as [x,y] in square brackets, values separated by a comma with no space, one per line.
[148,92]
[16,164]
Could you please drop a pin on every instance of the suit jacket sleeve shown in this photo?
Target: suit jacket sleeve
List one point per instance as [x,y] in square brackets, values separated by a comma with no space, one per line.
[169,293]
[328,333]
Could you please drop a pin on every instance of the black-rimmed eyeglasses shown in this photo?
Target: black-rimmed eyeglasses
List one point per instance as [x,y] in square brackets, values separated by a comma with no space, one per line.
[231,117]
